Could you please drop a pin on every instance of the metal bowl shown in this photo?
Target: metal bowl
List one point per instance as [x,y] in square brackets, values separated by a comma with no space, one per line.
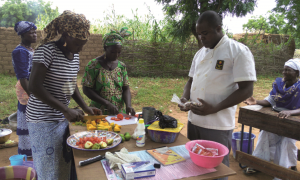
[4,135]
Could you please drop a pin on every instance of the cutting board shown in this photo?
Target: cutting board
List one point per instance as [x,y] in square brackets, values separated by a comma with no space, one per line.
[132,120]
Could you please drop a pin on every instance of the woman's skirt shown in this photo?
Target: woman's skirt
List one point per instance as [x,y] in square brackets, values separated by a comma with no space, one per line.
[51,155]
[24,146]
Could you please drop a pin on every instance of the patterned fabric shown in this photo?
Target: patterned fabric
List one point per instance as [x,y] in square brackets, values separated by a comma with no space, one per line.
[22,96]
[60,81]
[115,37]
[24,145]
[107,83]
[286,97]
[75,25]
[293,63]
[23,27]
[51,154]
[22,62]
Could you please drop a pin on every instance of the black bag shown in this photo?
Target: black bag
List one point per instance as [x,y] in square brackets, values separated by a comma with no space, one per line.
[165,121]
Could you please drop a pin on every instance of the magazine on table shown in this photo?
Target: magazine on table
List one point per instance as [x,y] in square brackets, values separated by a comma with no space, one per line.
[165,155]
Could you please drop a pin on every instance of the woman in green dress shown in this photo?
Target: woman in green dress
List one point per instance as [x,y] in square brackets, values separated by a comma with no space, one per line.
[105,80]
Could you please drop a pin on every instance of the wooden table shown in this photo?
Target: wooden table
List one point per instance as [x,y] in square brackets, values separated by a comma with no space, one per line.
[266,119]
[95,170]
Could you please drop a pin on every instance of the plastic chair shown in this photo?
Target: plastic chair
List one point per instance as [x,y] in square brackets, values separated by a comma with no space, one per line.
[22,172]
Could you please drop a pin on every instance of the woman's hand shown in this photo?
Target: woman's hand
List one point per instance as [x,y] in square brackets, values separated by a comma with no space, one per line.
[93,111]
[112,109]
[284,114]
[73,115]
[250,101]
[130,110]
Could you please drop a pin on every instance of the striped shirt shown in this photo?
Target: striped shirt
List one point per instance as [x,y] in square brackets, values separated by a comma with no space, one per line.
[60,81]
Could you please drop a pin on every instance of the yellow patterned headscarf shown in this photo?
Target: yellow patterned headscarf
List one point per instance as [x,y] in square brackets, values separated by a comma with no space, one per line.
[115,37]
[76,25]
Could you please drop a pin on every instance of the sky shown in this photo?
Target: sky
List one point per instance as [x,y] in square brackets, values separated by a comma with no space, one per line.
[93,9]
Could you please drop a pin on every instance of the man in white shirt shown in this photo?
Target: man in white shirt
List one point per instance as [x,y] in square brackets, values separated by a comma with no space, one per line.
[221,76]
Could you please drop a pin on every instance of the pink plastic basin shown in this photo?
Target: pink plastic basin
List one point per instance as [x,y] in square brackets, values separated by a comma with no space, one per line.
[207,161]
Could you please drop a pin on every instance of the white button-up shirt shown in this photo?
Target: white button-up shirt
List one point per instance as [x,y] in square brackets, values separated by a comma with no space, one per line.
[215,74]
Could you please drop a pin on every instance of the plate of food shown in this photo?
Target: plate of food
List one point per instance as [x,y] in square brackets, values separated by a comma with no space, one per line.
[95,140]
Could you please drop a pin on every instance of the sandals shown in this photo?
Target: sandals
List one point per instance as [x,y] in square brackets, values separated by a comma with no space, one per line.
[250,171]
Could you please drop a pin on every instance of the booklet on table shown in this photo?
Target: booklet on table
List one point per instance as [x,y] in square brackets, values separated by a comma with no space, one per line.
[165,155]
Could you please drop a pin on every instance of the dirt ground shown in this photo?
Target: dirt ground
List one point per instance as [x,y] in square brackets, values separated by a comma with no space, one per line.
[182,117]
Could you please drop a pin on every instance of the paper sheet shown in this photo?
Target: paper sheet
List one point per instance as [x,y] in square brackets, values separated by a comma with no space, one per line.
[253,107]
[170,171]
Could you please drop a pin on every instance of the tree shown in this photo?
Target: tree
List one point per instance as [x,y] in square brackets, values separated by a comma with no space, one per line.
[291,11]
[272,23]
[190,10]
[14,11]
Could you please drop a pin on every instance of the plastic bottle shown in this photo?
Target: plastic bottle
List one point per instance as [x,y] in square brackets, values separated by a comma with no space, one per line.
[140,139]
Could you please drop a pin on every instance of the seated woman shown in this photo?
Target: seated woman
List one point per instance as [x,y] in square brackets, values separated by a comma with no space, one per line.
[285,94]
[105,80]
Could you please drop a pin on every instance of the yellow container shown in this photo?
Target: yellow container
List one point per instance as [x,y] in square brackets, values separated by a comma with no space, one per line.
[155,126]
[166,135]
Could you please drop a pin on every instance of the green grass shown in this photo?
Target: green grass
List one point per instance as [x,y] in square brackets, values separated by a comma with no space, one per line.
[146,91]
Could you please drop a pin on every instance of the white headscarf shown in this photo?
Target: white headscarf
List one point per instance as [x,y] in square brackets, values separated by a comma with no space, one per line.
[293,63]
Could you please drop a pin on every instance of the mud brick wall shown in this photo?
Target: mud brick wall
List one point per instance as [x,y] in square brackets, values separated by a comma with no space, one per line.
[9,40]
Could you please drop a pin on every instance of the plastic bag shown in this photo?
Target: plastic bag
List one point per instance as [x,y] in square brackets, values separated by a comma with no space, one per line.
[198,149]
[187,105]
[165,121]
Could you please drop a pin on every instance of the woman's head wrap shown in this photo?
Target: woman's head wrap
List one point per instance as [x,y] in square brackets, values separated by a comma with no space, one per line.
[293,63]
[23,27]
[115,37]
[75,25]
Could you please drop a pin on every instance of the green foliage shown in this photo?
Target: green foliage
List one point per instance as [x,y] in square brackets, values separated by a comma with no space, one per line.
[14,11]
[182,15]
[143,27]
[291,11]
[272,23]
[44,19]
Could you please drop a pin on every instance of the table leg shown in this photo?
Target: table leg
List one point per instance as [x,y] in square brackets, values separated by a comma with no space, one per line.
[241,145]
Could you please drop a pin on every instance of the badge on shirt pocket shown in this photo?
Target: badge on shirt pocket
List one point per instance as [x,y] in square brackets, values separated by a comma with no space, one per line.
[219,64]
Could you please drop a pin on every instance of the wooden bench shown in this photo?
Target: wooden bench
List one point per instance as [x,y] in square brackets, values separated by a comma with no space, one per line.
[266,119]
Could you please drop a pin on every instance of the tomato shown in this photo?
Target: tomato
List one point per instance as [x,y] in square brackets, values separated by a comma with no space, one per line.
[117,119]
[113,118]
[81,146]
[120,116]
[136,115]
[77,143]
[128,118]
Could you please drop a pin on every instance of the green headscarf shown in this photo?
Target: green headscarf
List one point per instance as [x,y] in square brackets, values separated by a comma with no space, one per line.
[115,37]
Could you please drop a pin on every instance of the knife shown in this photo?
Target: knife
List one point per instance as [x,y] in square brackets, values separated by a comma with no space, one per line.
[126,115]
[94,117]
[93,159]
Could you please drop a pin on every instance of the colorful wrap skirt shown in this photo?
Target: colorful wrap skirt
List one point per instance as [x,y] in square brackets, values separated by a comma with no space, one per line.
[52,156]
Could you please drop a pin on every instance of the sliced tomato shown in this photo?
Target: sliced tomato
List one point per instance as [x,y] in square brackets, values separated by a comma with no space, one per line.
[113,118]
[136,115]
[117,119]
[127,118]
[77,143]
[81,146]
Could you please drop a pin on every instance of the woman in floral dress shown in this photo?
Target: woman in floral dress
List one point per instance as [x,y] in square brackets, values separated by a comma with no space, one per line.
[22,62]
[105,80]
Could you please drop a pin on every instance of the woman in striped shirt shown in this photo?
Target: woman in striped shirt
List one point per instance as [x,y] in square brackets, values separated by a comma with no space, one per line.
[53,82]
